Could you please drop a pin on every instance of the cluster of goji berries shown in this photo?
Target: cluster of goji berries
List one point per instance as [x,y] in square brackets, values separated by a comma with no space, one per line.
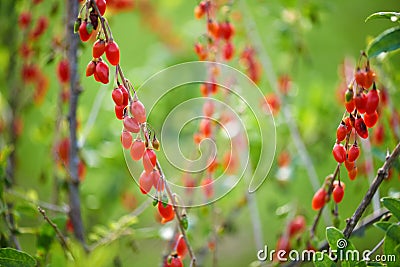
[31,72]
[104,44]
[136,135]
[216,32]
[361,102]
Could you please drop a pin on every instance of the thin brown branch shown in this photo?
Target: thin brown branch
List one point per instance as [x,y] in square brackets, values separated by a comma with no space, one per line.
[73,182]
[60,236]
[381,174]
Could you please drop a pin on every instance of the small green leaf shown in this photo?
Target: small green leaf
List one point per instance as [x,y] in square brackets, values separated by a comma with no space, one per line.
[322,260]
[155,202]
[393,16]
[338,242]
[77,24]
[10,257]
[387,41]
[392,240]
[185,222]
[361,264]
[383,225]
[394,233]
[393,205]
[89,28]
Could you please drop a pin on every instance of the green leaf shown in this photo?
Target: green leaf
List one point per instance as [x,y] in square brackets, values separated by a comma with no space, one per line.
[361,264]
[393,16]
[387,41]
[394,233]
[338,242]
[392,240]
[10,257]
[322,260]
[383,225]
[335,236]
[185,222]
[393,205]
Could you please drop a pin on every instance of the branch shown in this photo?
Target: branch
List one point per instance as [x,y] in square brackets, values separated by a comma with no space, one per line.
[382,173]
[73,182]
[178,216]
[382,214]
[61,237]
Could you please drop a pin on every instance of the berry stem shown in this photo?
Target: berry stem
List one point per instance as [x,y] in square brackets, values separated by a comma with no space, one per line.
[102,20]
[178,215]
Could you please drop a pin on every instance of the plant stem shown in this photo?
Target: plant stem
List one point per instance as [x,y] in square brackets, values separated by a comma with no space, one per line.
[73,182]
[61,237]
[382,173]
[178,216]
[15,93]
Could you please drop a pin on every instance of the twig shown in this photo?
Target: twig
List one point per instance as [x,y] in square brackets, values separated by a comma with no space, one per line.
[178,216]
[318,216]
[61,237]
[382,173]
[382,214]
[73,182]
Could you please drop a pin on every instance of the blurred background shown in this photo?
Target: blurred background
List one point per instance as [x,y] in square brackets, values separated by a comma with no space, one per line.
[307,42]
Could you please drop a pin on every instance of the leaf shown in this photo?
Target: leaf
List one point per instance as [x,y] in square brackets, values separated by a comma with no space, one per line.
[387,41]
[338,242]
[322,260]
[383,225]
[393,16]
[393,205]
[10,257]
[361,264]
[392,240]
[394,233]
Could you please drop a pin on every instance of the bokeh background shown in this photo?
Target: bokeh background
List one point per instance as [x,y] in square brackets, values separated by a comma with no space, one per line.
[306,40]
